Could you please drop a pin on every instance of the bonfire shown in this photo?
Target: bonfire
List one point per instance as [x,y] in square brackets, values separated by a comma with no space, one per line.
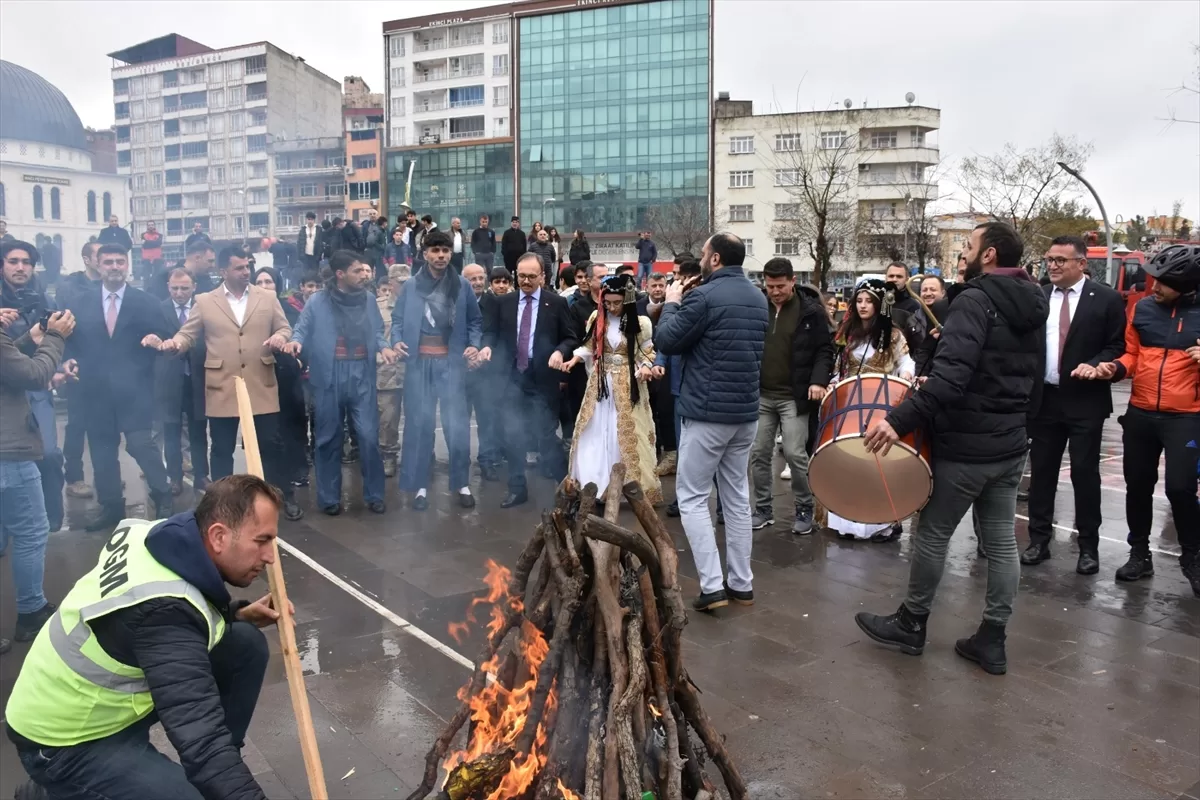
[579,691]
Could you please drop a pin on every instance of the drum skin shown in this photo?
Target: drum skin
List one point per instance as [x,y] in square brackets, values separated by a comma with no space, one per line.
[858,485]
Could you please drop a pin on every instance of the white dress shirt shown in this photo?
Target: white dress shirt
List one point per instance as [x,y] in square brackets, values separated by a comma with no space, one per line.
[237,304]
[1070,295]
[104,295]
[458,242]
[533,312]
[186,308]
[310,239]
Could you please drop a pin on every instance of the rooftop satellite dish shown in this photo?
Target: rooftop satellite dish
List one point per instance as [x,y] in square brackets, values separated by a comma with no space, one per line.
[848,103]
[909,98]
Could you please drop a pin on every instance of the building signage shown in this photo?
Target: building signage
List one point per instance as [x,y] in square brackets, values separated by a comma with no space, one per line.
[232,54]
[44,179]
[440,22]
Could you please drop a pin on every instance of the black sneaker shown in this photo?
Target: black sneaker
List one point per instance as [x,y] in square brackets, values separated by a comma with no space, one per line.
[29,624]
[1190,564]
[985,648]
[673,509]
[741,598]
[710,601]
[1138,566]
[903,630]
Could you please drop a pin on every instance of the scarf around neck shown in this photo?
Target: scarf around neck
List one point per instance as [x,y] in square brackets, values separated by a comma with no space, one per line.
[350,314]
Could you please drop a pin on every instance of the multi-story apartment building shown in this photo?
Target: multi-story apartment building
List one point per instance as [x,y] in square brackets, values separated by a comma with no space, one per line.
[869,173]
[364,130]
[309,175]
[197,127]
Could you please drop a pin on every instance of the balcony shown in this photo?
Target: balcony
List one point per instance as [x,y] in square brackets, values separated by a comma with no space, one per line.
[295,172]
[472,71]
[285,200]
[895,190]
[430,46]
[431,76]
[466,103]
[459,135]
[429,105]
[899,155]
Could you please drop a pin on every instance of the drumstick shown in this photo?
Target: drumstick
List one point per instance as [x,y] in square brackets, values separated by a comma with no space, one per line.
[285,623]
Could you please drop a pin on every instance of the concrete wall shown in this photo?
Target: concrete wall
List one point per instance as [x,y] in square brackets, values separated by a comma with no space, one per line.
[302,103]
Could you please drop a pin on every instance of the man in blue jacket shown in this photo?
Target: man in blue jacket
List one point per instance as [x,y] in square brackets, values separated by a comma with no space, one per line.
[340,332]
[437,327]
[719,330]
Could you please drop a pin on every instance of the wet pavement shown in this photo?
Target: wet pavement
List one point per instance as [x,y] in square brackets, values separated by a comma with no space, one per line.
[1102,697]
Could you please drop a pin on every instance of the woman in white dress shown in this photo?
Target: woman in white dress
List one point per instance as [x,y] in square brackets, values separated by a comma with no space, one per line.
[615,423]
[867,342]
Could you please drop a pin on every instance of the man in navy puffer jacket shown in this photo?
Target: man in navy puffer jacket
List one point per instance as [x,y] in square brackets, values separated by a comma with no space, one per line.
[718,330]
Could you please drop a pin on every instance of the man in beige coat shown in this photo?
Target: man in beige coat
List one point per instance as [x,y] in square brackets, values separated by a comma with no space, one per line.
[241,325]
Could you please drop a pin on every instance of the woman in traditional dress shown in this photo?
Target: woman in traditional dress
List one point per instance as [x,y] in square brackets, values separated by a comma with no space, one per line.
[615,423]
[867,342]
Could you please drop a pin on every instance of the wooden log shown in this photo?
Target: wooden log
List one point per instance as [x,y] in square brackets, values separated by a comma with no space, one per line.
[606,583]
[635,543]
[622,729]
[660,687]
[286,622]
[594,761]
[689,702]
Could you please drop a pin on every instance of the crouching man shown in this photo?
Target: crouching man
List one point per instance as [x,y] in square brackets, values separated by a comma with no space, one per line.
[152,635]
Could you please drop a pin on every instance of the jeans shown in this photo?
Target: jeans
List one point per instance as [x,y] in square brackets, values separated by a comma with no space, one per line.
[707,449]
[125,766]
[352,394]
[486,260]
[1145,437]
[391,403]
[23,524]
[992,488]
[223,431]
[41,404]
[534,413]
[104,434]
[775,414]
[1050,432]
[430,384]
[644,270]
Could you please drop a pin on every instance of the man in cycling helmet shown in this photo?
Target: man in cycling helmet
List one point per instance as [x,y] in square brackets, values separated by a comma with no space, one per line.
[1162,358]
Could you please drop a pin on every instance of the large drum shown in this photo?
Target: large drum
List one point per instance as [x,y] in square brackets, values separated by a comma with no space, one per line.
[858,485]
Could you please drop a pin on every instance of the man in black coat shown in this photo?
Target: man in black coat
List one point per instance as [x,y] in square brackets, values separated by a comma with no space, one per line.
[1085,326]
[310,242]
[116,376]
[179,386]
[483,244]
[199,261]
[985,379]
[533,336]
[513,244]
[115,234]
[907,314]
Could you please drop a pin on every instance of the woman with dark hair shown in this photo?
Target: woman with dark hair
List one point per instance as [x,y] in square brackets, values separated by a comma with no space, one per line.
[556,243]
[868,343]
[537,226]
[615,423]
[580,249]
[293,417]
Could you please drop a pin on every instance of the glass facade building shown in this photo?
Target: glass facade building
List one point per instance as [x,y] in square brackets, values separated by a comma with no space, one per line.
[613,103]
[462,181]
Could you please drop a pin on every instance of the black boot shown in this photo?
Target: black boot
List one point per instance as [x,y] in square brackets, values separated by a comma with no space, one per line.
[903,630]
[106,518]
[1190,564]
[29,624]
[1138,566]
[985,648]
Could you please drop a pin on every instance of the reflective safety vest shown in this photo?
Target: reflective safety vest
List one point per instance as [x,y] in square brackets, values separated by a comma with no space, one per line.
[69,690]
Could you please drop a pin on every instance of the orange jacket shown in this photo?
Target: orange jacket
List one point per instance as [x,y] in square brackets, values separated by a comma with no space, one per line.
[1165,378]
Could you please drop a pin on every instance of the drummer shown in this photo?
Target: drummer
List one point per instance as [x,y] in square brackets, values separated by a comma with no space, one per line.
[867,342]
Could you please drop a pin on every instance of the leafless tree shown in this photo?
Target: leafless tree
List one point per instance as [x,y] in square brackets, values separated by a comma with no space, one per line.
[681,226]
[1014,185]
[1190,90]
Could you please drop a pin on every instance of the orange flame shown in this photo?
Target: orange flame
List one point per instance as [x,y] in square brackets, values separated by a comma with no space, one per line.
[566,793]
[654,710]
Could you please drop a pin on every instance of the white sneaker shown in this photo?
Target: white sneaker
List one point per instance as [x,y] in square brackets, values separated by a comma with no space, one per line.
[786,475]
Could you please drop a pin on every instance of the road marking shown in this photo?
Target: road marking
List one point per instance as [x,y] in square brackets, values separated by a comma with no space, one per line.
[1105,538]
[380,609]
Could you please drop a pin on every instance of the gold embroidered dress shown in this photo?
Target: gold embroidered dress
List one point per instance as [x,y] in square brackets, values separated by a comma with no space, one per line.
[613,429]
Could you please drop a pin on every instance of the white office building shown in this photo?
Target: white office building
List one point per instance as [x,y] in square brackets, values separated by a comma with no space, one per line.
[196,129]
[448,77]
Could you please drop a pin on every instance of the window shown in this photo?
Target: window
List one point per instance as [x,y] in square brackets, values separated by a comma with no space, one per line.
[91,206]
[139,158]
[500,96]
[216,73]
[396,47]
[195,200]
[260,220]
[832,140]
[883,140]
[284,219]
[196,125]
[787,211]
[235,96]
[256,143]
[787,142]
[38,211]
[364,162]
[216,176]
[217,123]
[787,177]
[121,86]
[154,133]
[500,126]
[741,144]
[195,150]
[335,189]
[256,65]
[308,162]
[170,79]
[237,148]
[787,247]
[107,203]
[308,190]
[216,149]
[749,243]
[499,32]
[398,138]
[123,133]
[174,227]
[174,177]
[239,224]
[193,100]
[55,204]
[154,107]
[500,65]
[237,121]
[397,77]
[256,91]
[366,135]
[216,98]
[466,96]
[397,106]
[237,199]
[916,137]
[156,205]
[139,134]
[196,175]
[258,117]
[121,110]
[364,190]
[258,196]
[171,152]
[741,213]
[123,158]
[139,183]
[237,173]
[139,206]
[233,70]
[216,201]
[217,225]
[258,170]
[883,210]
[156,180]
[170,127]
[741,179]
[170,103]
[156,157]
[137,109]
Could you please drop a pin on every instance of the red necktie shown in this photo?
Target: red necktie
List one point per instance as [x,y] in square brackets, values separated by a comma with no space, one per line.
[1064,325]
[523,334]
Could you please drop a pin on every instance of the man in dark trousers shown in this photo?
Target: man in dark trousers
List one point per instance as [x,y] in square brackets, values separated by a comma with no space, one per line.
[1085,327]
[310,242]
[513,244]
[180,387]
[73,285]
[533,337]
[985,379]
[116,325]
[483,244]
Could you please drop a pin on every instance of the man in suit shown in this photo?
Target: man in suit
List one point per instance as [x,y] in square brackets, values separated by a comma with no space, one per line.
[1085,327]
[482,384]
[199,261]
[180,389]
[116,322]
[240,325]
[534,335]
[437,329]
[311,242]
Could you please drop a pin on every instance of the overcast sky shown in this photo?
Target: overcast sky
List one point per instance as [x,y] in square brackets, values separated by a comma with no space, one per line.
[1000,72]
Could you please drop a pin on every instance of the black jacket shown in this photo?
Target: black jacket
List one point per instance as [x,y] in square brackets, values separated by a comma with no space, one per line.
[555,329]
[513,242]
[812,350]
[158,283]
[1096,335]
[483,240]
[986,374]
[168,371]
[319,236]
[115,235]
[545,252]
[580,251]
[71,286]
[910,319]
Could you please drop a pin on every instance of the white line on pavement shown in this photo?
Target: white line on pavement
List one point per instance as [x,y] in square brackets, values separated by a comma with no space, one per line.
[1105,538]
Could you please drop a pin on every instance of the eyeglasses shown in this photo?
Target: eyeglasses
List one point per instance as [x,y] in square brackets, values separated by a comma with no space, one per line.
[1059,261]
[525,278]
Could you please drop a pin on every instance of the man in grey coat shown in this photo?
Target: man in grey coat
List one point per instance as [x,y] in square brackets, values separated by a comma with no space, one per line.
[718,329]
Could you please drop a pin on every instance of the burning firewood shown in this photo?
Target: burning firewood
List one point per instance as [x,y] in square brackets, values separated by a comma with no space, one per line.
[579,692]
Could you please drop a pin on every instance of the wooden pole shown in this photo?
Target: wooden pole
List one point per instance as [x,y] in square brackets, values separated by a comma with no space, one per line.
[286,624]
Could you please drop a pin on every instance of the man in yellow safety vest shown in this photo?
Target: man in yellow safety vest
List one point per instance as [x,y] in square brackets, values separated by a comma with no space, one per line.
[152,635]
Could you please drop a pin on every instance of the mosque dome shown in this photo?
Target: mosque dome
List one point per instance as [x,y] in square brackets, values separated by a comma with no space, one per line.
[34,110]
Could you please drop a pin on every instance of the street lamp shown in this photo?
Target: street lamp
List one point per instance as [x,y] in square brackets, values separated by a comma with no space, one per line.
[1108,268]
[544,203]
